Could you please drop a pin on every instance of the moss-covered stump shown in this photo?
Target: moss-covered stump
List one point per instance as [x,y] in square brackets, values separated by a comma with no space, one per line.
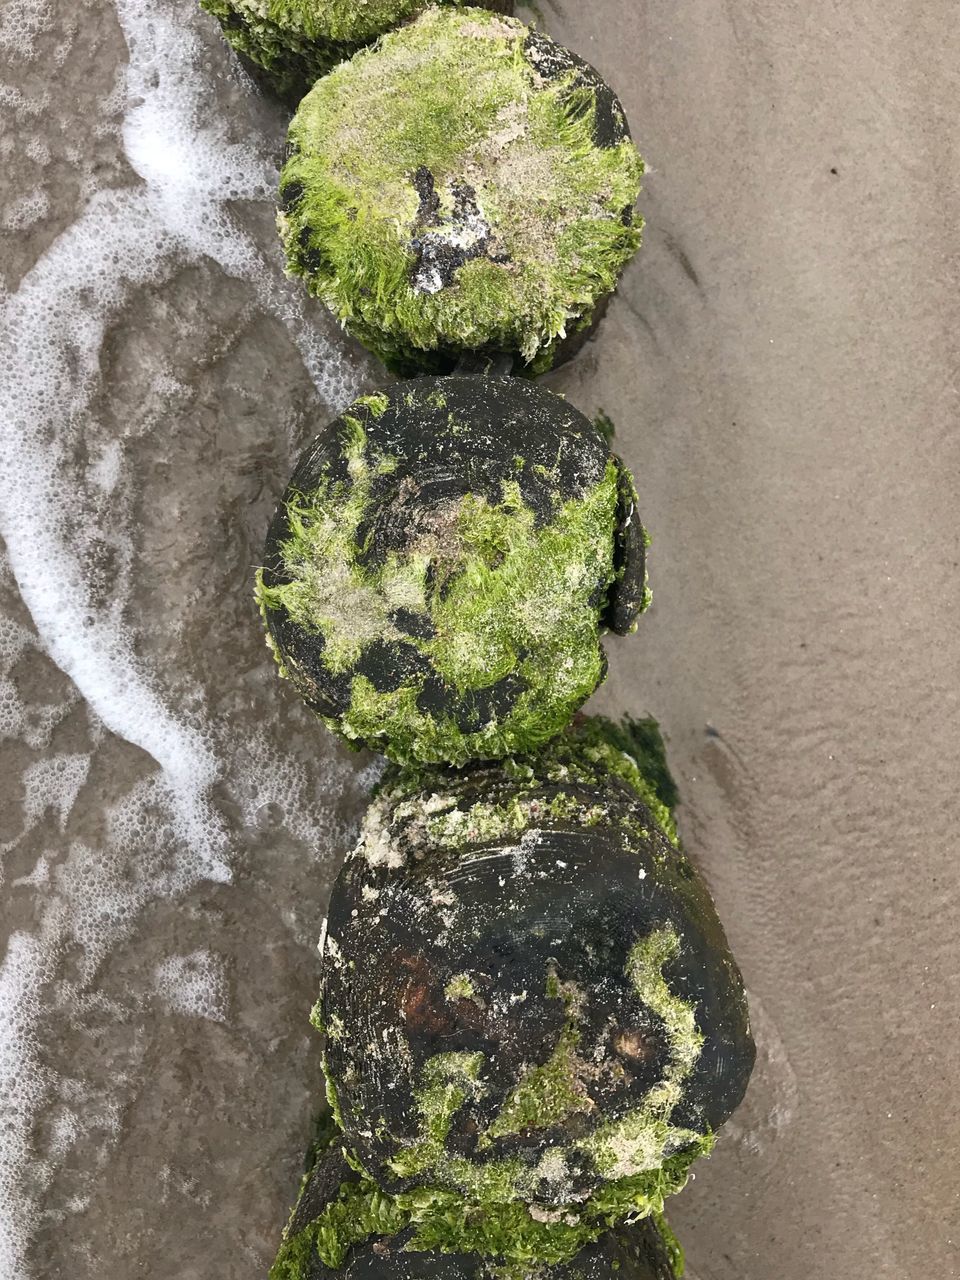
[343,1227]
[533,1020]
[465,185]
[635,1252]
[290,44]
[442,566]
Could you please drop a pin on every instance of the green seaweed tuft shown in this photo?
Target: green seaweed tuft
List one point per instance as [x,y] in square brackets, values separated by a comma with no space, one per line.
[547,1094]
[292,43]
[460,987]
[452,101]
[449,1079]
[451,1223]
[641,739]
[518,601]
[672,1245]
[644,1136]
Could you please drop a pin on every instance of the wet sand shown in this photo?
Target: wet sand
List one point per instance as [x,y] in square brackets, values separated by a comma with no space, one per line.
[781,363]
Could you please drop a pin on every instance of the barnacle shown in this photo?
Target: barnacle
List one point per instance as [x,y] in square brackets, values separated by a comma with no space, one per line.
[443,563]
[467,184]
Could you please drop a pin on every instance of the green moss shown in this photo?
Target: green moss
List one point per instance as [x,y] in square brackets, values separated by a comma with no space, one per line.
[316,1016]
[453,96]
[547,1094]
[449,1079]
[331,1095]
[644,1136]
[343,20]
[641,739]
[645,970]
[545,574]
[259,591]
[378,403]
[634,758]
[460,987]
[295,42]
[591,753]
[517,590]
[326,591]
[494,1228]
[672,1244]
[509,599]
[630,501]
[359,1211]
[489,821]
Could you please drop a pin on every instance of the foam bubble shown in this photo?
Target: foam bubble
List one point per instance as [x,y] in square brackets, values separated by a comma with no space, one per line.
[54,783]
[32,723]
[21,21]
[105,468]
[23,1087]
[165,834]
[193,985]
[26,210]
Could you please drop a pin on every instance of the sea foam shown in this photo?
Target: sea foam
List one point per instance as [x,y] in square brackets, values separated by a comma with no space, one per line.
[191,166]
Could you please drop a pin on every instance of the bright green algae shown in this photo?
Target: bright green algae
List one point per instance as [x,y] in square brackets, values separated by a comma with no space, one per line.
[590,753]
[295,42]
[359,1211]
[446,1222]
[452,100]
[344,21]
[502,596]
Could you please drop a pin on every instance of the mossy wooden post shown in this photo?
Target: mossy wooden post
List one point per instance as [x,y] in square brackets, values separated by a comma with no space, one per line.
[533,1023]
[467,184]
[444,563]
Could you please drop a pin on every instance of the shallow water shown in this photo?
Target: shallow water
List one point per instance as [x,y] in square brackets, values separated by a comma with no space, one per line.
[781,363]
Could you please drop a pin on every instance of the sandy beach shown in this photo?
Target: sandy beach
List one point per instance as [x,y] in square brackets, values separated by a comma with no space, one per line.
[781,362]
